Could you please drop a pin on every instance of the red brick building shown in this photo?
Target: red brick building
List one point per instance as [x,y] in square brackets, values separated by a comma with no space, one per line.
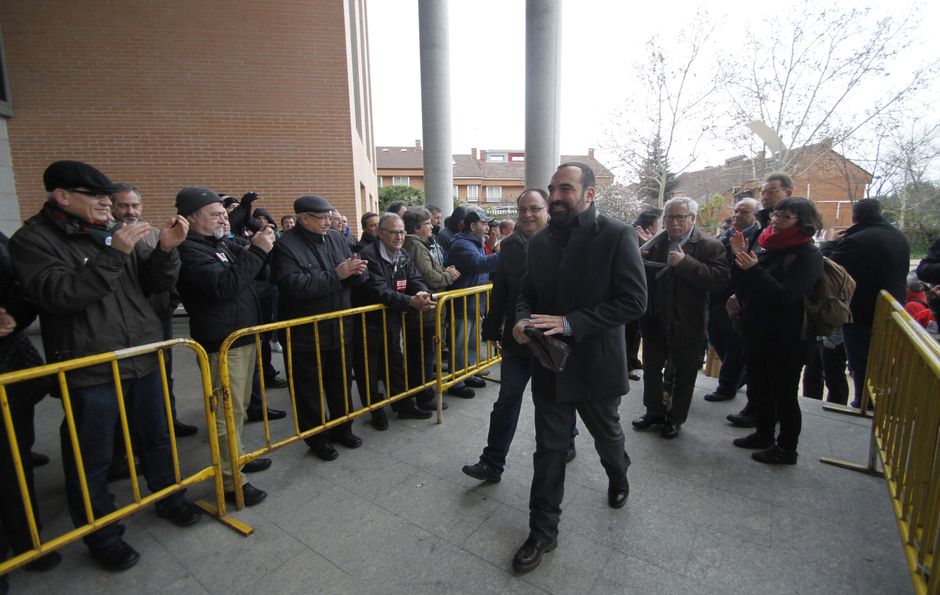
[270,96]
[829,179]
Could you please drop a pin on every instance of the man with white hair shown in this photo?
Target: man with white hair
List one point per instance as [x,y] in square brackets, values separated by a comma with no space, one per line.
[682,267]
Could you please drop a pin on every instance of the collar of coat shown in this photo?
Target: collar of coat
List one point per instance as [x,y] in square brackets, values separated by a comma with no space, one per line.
[694,236]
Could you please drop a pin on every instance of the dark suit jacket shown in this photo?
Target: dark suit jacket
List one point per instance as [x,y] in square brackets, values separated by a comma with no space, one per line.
[596,281]
[877,256]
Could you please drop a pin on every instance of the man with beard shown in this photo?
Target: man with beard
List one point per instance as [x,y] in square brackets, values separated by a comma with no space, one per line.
[584,280]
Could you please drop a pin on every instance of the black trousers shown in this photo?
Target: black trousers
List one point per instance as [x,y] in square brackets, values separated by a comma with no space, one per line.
[374,363]
[553,421]
[307,391]
[14,533]
[773,378]
[686,361]
[633,336]
[827,366]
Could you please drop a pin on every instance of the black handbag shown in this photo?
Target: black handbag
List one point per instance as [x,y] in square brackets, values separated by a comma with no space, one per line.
[551,353]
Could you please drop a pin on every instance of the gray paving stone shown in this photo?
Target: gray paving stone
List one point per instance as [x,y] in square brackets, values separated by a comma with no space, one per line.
[626,574]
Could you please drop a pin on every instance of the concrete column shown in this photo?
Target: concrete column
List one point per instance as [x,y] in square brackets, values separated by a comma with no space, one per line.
[542,90]
[433,27]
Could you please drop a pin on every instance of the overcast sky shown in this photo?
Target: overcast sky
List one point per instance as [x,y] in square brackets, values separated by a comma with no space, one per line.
[601,39]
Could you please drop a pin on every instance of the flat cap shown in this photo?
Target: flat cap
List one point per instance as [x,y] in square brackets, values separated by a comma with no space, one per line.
[192,198]
[75,174]
[311,203]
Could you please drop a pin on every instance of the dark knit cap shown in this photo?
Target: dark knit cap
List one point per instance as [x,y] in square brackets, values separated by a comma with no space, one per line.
[192,198]
[311,203]
[75,174]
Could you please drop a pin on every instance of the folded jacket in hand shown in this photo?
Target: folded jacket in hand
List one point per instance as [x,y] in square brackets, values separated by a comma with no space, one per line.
[549,351]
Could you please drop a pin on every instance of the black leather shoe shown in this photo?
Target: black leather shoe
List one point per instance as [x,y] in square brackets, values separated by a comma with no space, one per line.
[256,465]
[716,397]
[251,494]
[481,471]
[475,382]
[647,420]
[39,460]
[617,493]
[272,415]
[530,554]
[183,430]
[414,413]
[572,453]
[44,564]
[464,392]
[348,439]
[117,556]
[324,450]
[742,420]
[379,420]
[184,515]
[775,456]
[753,440]
[432,406]
[670,430]
[276,382]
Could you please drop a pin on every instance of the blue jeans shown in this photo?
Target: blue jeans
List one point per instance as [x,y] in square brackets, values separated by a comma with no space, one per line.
[515,373]
[729,346]
[470,327]
[857,339]
[96,418]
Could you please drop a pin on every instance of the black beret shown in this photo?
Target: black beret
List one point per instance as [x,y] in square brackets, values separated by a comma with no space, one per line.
[311,203]
[192,198]
[74,174]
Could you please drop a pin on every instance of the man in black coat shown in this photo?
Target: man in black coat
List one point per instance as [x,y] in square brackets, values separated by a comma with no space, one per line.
[682,268]
[90,285]
[315,270]
[217,287]
[584,280]
[877,256]
[395,282]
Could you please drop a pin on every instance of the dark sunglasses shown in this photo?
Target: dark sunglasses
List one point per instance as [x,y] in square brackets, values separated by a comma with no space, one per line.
[92,193]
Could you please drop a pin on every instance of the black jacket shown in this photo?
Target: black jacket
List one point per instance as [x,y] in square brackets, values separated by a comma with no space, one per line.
[217,287]
[91,297]
[717,311]
[772,293]
[678,296]
[391,285]
[499,320]
[877,256]
[596,281]
[305,270]
[928,270]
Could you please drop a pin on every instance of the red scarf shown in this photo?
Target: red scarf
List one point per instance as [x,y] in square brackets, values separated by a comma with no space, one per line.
[787,238]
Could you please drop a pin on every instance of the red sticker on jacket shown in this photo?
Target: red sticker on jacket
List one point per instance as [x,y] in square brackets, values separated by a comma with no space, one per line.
[401,284]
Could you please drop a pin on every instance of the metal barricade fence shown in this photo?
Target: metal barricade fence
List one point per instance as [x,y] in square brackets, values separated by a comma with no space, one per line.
[59,370]
[359,317]
[454,306]
[903,381]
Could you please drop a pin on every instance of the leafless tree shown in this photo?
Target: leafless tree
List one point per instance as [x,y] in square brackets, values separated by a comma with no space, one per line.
[669,114]
[805,72]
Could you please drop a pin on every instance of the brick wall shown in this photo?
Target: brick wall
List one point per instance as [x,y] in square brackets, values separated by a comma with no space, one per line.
[235,96]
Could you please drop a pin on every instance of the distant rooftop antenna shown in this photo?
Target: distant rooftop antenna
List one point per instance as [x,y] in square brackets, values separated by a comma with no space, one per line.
[766,134]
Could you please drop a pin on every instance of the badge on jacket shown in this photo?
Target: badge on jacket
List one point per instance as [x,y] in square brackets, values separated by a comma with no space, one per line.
[221,256]
[401,285]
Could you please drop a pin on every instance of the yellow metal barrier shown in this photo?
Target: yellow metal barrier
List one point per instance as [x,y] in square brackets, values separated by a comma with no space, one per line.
[903,382]
[453,304]
[439,382]
[59,370]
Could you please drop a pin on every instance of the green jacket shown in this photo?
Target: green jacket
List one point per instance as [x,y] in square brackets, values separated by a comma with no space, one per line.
[435,277]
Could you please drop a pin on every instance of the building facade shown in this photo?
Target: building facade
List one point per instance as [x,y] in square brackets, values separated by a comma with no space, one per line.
[491,178]
[268,96]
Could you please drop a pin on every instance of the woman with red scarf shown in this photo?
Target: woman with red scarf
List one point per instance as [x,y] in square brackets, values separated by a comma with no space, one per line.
[770,288]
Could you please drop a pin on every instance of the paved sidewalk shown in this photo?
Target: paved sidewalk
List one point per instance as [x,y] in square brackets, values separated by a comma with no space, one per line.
[398,515]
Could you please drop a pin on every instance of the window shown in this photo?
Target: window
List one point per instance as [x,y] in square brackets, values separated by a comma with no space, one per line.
[473,193]
[381,182]
[456,193]
[494,193]
[401,180]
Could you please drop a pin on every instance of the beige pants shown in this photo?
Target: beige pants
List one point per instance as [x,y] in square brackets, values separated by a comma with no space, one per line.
[241,367]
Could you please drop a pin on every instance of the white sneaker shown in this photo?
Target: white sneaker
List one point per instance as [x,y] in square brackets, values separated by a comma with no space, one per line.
[276,347]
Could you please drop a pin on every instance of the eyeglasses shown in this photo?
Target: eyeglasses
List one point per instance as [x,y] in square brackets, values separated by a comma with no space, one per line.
[325,217]
[533,210]
[394,232]
[782,216]
[677,217]
[91,193]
